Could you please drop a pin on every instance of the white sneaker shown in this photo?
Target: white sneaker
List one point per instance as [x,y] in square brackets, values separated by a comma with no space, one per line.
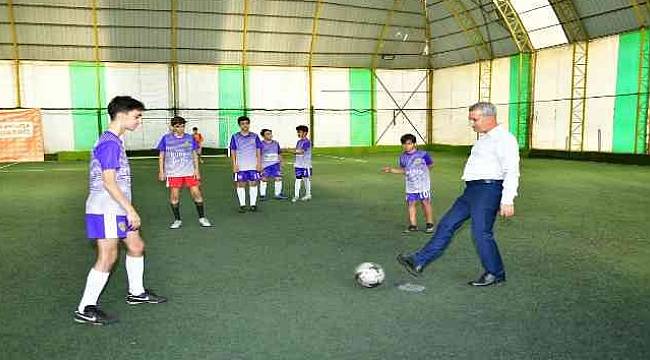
[204,222]
[176,224]
[305,198]
[294,199]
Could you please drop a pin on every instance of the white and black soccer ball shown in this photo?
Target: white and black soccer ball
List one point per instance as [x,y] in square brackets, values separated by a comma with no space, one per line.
[369,275]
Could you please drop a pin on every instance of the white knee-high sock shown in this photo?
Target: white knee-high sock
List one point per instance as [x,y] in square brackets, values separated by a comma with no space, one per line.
[296,190]
[135,274]
[252,192]
[278,187]
[263,188]
[241,195]
[307,186]
[94,285]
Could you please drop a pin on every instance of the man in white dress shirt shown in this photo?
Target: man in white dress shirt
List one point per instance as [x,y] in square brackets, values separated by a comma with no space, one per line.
[491,176]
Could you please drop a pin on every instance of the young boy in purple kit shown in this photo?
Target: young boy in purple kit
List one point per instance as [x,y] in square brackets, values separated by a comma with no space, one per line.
[245,150]
[271,165]
[415,165]
[111,217]
[302,165]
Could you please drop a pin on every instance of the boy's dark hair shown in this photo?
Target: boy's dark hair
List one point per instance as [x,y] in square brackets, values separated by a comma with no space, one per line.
[243,118]
[123,104]
[195,129]
[407,137]
[178,120]
[302,128]
[264,131]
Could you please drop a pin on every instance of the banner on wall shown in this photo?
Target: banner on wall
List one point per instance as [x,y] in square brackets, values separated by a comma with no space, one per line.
[21,136]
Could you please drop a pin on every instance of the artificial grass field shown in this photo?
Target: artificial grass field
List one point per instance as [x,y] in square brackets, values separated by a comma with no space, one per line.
[278,284]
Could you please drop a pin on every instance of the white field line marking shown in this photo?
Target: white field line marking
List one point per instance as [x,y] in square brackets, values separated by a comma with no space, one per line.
[343,158]
[8,165]
[41,170]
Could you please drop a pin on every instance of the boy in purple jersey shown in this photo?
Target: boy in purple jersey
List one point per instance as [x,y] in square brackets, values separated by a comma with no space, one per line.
[302,165]
[271,165]
[245,150]
[415,165]
[178,164]
[110,216]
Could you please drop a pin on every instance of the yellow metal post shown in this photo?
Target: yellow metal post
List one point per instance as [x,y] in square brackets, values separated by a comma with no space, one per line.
[427,35]
[312,46]
[16,52]
[244,59]
[514,25]
[174,56]
[97,58]
[430,106]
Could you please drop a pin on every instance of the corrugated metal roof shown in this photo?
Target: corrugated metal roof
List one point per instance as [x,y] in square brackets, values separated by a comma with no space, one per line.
[350,33]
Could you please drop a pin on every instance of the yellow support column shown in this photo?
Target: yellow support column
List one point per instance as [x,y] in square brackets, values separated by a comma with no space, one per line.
[16,52]
[244,58]
[312,46]
[174,56]
[427,53]
[98,75]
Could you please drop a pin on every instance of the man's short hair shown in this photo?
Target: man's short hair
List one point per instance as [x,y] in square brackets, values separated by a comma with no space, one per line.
[264,131]
[178,120]
[486,108]
[123,104]
[242,119]
[302,128]
[407,137]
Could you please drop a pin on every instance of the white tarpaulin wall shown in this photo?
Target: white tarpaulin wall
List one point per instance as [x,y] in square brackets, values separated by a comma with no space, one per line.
[47,85]
[7,87]
[409,90]
[149,84]
[500,89]
[211,98]
[272,89]
[552,94]
[601,86]
[454,90]
[198,89]
[331,91]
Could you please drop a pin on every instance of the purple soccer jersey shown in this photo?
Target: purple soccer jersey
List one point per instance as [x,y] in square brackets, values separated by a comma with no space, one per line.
[303,160]
[416,167]
[108,153]
[246,147]
[179,160]
[270,153]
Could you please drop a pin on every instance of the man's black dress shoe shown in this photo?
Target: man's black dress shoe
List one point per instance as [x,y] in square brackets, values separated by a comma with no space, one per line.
[409,264]
[487,279]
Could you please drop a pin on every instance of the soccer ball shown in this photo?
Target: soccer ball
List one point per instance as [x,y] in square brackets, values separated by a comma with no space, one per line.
[369,275]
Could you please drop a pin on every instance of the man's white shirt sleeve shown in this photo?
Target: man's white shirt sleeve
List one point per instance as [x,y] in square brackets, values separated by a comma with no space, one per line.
[508,155]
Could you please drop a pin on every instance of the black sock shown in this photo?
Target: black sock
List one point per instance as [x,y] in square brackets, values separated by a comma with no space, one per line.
[176,211]
[199,209]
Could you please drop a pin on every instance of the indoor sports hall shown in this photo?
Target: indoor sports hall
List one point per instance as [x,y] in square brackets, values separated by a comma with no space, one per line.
[568,82]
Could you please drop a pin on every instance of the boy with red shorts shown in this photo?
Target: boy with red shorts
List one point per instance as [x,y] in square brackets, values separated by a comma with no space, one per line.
[178,164]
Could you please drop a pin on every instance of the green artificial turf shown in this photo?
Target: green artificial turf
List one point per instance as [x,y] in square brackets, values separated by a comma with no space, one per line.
[278,284]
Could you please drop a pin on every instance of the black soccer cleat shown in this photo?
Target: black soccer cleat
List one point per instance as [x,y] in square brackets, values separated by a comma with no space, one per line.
[429,229]
[409,264]
[147,297]
[410,229]
[93,315]
[253,208]
[280,197]
[262,198]
[487,279]
[242,209]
